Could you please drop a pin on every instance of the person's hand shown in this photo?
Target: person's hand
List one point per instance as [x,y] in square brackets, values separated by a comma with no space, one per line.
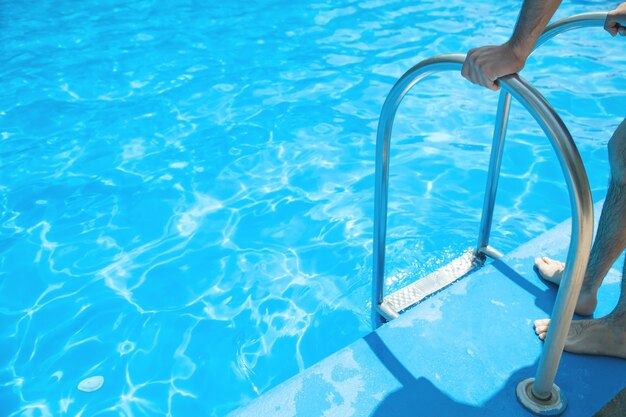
[483,66]
[616,21]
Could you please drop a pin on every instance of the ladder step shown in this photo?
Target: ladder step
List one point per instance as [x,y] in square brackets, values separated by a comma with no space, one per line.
[412,294]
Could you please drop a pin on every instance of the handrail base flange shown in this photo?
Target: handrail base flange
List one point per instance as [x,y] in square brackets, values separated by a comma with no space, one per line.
[555,405]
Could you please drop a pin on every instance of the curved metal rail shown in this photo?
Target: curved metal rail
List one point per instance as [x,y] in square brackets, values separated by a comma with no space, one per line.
[538,392]
[577,21]
[548,120]
[543,383]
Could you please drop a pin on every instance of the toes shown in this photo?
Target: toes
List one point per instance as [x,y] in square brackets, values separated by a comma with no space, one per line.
[541,334]
[549,269]
[552,262]
[541,328]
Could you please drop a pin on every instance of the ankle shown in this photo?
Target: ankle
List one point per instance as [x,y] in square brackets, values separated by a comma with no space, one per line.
[589,289]
[586,304]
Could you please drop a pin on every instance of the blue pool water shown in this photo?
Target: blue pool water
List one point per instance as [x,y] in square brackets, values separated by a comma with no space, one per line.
[186,188]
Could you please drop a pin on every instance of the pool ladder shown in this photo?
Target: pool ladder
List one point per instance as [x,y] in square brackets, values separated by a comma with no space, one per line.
[539,395]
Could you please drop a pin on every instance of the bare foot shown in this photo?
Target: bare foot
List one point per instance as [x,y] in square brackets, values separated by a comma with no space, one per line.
[605,336]
[552,271]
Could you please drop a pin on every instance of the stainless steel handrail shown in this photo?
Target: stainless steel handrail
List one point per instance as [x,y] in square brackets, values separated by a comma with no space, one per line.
[547,119]
[534,393]
[420,71]
[577,184]
[543,384]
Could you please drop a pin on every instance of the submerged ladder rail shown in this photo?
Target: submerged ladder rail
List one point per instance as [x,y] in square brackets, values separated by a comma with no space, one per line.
[381,310]
[538,394]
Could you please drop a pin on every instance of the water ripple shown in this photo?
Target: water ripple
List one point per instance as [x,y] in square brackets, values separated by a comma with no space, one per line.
[186,206]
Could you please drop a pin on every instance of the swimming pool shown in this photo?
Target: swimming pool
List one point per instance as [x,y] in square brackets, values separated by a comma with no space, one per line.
[187,191]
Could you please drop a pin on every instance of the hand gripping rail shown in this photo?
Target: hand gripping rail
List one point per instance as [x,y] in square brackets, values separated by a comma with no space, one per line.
[540,394]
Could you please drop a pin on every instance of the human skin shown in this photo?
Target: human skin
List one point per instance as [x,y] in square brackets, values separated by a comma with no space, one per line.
[616,21]
[483,66]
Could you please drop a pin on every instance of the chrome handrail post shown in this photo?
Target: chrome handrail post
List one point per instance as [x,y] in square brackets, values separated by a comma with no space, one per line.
[493,175]
[380,211]
[533,393]
[541,391]
[381,192]
[565,304]
[380,312]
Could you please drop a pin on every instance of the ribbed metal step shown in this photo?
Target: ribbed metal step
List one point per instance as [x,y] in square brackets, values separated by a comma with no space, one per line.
[412,294]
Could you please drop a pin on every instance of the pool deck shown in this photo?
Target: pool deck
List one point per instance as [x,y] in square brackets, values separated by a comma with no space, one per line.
[460,352]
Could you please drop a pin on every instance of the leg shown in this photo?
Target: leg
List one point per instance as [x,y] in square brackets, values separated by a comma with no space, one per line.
[605,336]
[611,236]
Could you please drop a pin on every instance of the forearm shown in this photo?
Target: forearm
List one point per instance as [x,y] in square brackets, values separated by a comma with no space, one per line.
[485,65]
[533,18]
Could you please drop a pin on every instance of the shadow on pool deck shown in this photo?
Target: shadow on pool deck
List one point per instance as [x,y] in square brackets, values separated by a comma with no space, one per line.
[419,396]
[460,352]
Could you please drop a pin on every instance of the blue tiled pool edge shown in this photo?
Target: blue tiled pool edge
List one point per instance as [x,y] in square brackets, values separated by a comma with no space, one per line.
[460,352]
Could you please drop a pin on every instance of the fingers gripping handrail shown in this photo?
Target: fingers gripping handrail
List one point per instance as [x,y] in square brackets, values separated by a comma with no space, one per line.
[578,188]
